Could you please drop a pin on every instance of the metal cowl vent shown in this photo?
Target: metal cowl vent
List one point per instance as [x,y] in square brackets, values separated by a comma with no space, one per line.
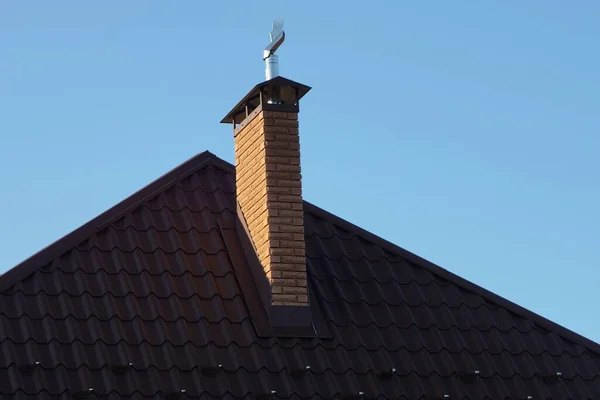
[277,37]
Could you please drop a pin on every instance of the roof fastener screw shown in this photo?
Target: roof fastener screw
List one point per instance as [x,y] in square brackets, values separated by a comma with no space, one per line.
[393,369]
[558,374]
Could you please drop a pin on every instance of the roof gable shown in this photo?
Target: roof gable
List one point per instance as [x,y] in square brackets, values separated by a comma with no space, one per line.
[153,282]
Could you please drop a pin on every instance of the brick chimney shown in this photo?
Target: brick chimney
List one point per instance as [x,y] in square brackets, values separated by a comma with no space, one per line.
[269,184]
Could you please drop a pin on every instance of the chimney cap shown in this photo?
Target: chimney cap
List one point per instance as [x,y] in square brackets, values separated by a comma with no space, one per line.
[290,91]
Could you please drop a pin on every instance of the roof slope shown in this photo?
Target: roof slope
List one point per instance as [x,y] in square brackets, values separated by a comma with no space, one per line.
[152,282]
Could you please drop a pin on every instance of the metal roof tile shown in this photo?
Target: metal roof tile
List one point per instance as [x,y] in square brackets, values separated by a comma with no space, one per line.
[152,283]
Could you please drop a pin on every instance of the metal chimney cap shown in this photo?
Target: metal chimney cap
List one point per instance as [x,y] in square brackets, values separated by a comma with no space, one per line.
[252,99]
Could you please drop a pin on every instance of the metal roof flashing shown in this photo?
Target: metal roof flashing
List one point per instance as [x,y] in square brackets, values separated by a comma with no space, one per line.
[283,321]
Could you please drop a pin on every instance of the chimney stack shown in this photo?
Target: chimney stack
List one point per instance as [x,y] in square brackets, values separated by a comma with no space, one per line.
[268,179]
[269,184]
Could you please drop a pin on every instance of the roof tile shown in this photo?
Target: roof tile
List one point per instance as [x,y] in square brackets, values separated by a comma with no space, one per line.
[152,284]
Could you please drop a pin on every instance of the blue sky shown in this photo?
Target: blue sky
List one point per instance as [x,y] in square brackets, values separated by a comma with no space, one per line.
[466,132]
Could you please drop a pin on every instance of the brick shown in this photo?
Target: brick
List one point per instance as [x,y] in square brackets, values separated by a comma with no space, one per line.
[271,197]
[302,299]
[274,152]
[294,290]
[285,152]
[280,145]
[288,183]
[286,168]
[290,228]
[282,122]
[282,207]
[293,259]
[280,220]
[275,274]
[284,298]
[283,282]
[271,167]
[300,252]
[277,130]
[280,190]
[301,282]
[280,175]
[277,160]
[292,198]
[286,136]
[281,251]
[294,244]
[276,289]
[290,213]
[281,235]
[276,114]
[298,221]
[289,267]
[293,274]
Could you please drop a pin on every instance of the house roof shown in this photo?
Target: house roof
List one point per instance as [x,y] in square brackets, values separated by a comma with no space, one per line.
[156,296]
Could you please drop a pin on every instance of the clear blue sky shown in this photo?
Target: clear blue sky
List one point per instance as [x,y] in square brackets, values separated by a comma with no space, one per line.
[466,132]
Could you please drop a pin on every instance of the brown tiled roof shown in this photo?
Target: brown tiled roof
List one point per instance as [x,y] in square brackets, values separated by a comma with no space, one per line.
[155,296]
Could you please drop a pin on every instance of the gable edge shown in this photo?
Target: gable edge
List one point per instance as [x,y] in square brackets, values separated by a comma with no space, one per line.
[57,248]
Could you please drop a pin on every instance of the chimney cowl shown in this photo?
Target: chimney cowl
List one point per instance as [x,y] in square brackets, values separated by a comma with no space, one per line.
[277,37]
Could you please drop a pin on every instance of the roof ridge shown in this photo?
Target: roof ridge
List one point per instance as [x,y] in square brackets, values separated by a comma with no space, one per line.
[70,240]
[453,278]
